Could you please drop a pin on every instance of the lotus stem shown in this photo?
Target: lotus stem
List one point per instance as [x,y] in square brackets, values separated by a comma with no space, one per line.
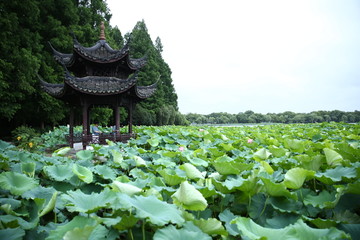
[143,230]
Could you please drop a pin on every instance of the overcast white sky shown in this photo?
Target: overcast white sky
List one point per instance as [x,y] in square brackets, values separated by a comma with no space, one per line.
[268,56]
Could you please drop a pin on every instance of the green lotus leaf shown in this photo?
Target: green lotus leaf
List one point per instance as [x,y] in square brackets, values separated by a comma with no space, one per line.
[28,168]
[88,203]
[347,217]
[312,162]
[295,177]
[184,233]
[295,145]
[126,188]
[85,155]
[353,187]
[127,221]
[352,229]
[139,161]
[14,204]
[277,189]
[171,177]
[59,172]
[83,173]
[156,211]
[324,199]
[78,222]
[5,145]
[117,157]
[154,141]
[215,152]
[17,183]
[333,158]
[50,205]
[226,165]
[226,146]
[14,221]
[277,151]
[211,226]
[266,166]
[261,154]
[281,220]
[319,200]
[299,230]
[191,171]
[227,216]
[198,161]
[286,205]
[61,152]
[12,233]
[189,197]
[79,233]
[233,182]
[104,171]
[332,175]
[321,223]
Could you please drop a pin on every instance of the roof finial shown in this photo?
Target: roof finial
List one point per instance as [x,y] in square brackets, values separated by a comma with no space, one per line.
[102,31]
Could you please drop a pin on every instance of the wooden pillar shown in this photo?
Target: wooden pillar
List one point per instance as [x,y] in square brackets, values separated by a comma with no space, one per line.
[117,119]
[85,124]
[88,120]
[130,117]
[71,128]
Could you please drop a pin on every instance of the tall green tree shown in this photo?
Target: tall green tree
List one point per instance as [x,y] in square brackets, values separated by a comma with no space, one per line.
[164,101]
[26,29]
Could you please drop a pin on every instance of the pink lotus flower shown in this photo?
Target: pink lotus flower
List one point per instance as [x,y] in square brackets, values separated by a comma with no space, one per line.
[201,130]
[181,149]
[250,140]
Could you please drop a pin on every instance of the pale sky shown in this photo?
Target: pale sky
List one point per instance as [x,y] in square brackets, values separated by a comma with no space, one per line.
[268,56]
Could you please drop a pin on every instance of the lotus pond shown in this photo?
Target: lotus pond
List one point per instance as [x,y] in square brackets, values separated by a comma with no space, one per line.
[264,182]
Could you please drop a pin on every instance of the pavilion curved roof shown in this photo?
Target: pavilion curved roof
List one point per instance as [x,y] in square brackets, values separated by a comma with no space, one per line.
[101,52]
[144,92]
[95,85]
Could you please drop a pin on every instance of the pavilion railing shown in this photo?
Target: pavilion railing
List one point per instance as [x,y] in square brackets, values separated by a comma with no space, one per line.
[99,139]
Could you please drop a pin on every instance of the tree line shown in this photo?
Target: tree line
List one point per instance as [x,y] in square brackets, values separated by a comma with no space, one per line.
[285,117]
[26,30]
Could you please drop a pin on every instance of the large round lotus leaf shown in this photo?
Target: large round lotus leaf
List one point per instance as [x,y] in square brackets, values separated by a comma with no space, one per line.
[83,173]
[189,197]
[85,155]
[16,183]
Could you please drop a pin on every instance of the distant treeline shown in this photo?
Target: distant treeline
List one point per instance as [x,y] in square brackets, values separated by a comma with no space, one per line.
[285,117]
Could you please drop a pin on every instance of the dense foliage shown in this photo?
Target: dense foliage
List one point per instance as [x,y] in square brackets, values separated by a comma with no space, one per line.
[285,117]
[261,182]
[26,30]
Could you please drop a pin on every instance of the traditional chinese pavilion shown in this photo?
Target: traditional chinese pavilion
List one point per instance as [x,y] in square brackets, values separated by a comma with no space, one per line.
[99,76]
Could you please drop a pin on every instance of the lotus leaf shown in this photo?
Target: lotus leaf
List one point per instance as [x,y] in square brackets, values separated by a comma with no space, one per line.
[83,173]
[16,183]
[12,233]
[299,230]
[127,188]
[211,226]
[184,233]
[59,172]
[295,177]
[191,171]
[61,152]
[85,155]
[188,197]
[156,211]
[261,154]
[333,158]
[88,203]
[78,222]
